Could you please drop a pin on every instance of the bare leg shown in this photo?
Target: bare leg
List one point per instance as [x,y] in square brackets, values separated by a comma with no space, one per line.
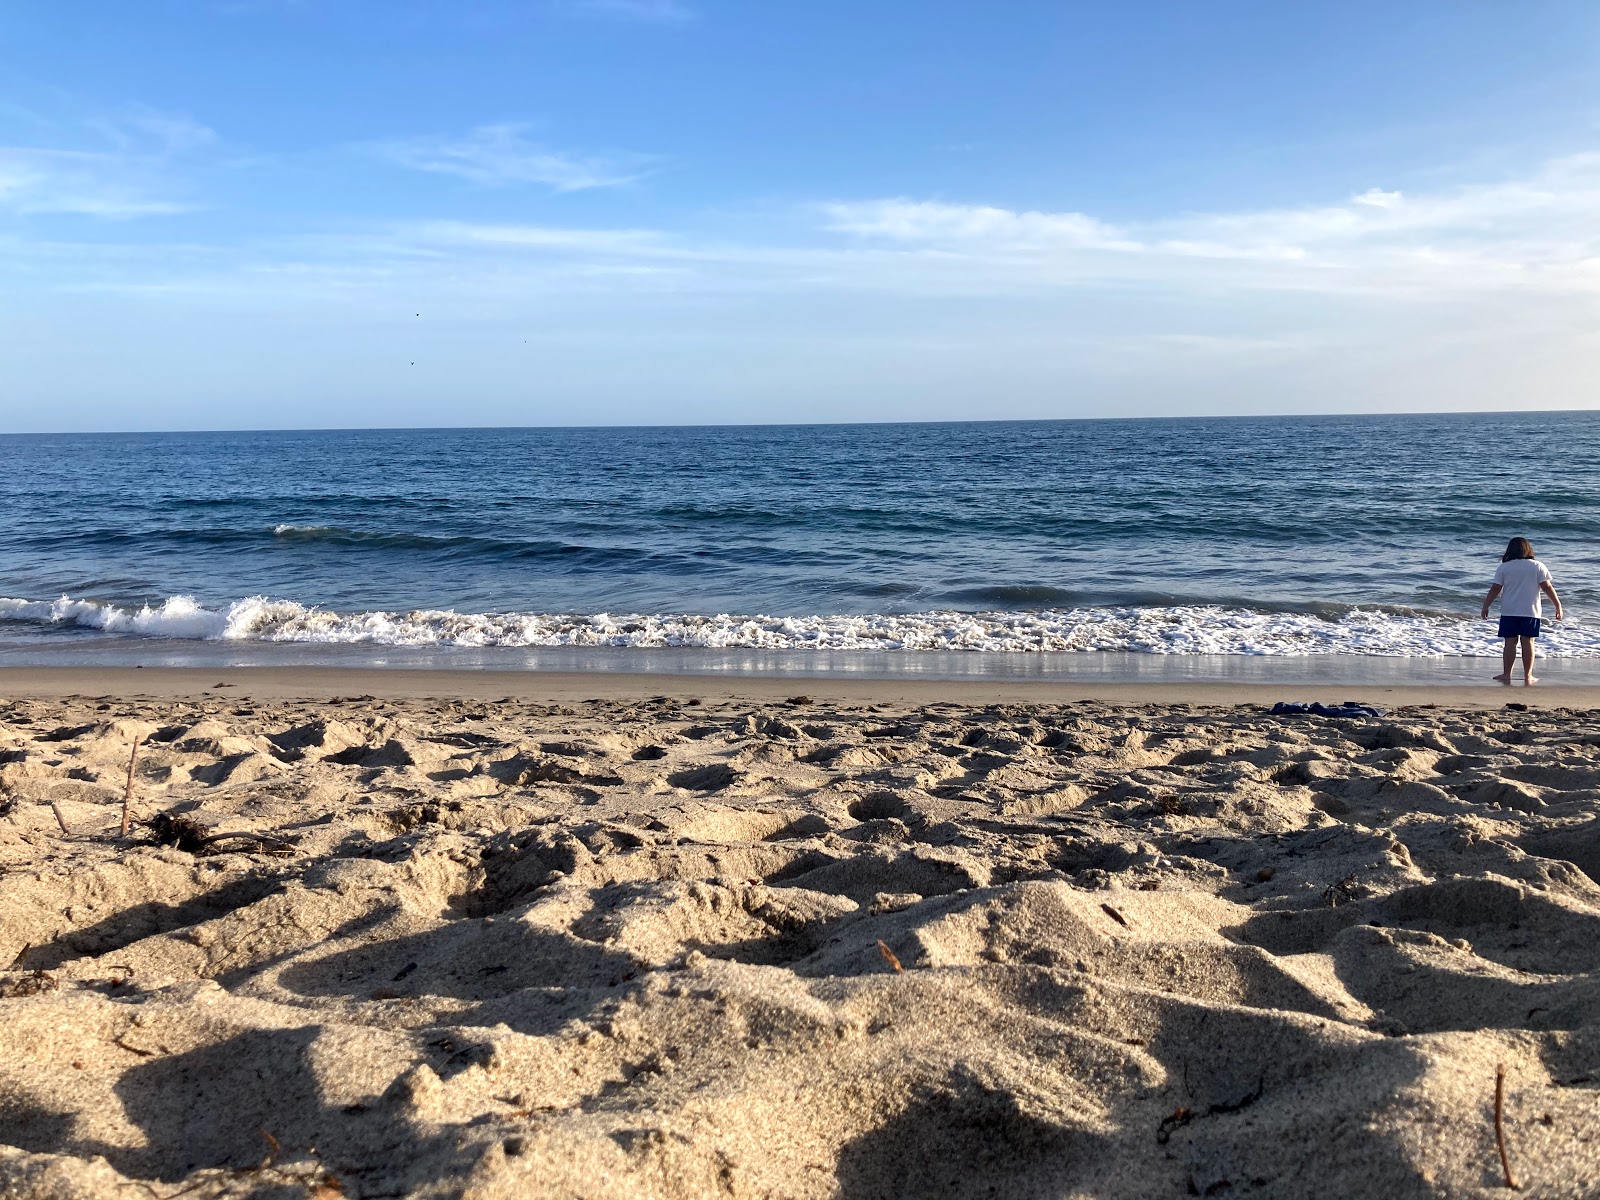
[1508,660]
[1527,663]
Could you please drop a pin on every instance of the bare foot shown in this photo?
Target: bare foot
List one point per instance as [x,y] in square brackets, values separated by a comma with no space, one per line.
[1505,679]
[1528,680]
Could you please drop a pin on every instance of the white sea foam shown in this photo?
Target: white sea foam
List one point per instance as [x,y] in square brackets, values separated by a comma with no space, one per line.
[1189,629]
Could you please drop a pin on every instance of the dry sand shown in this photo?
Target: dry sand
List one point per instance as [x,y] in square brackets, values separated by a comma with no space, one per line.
[877,944]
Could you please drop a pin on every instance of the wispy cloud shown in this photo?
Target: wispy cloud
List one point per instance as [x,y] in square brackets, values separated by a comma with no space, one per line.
[501,156]
[647,243]
[1542,232]
[1536,237]
[129,168]
[922,220]
[1475,296]
[141,130]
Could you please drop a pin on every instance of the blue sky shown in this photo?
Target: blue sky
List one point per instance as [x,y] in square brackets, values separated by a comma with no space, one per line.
[307,213]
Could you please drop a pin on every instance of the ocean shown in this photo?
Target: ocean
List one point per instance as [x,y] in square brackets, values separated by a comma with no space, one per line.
[1278,538]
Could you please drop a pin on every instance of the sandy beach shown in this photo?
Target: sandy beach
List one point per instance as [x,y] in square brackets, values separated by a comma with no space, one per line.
[407,933]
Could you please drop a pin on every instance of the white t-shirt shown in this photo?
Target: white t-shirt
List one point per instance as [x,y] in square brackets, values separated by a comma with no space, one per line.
[1521,578]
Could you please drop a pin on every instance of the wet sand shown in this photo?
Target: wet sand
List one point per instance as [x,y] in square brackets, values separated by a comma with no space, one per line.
[392,933]
[310,682]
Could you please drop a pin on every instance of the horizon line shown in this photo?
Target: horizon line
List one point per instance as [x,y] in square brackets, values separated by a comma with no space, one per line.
[1519,412]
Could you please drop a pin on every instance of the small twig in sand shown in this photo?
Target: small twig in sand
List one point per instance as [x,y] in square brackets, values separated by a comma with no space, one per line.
[121,1041]
[264,838]
[889,957]
[1114,915]
[127,792]
[1500,1125]
[60,820]
[1177,1119]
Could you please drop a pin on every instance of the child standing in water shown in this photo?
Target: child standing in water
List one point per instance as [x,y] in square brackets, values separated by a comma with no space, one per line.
[1518,582]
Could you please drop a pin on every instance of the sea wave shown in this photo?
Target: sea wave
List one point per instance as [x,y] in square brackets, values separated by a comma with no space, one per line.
[1175,629]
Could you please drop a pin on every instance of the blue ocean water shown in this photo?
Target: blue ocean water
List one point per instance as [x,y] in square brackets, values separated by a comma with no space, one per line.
[1357,534]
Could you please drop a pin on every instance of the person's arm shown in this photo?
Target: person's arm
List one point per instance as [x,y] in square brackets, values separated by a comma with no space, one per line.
[1494,590]
[1549,589]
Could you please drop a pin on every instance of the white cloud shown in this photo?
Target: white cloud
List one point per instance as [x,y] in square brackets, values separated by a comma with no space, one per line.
[133,170]
[500,156]
[1534,236]
[627,242]
[1378,198]
[89,184]
[1504,277]
[140,130]
[1541,232]
[913,220]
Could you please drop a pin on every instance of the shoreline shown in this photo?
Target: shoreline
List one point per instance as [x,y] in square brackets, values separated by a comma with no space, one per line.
[1075,668]
[321,683]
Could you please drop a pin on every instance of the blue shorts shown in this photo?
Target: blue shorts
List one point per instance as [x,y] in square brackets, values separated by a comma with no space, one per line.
[1511,627]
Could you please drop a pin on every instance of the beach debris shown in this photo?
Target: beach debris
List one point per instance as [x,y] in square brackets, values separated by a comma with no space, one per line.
[890,957]
[1176,1119]
[60,820]
[184,833]
[1173,805]
[1349,708]
[1115,916]
[1500,1126]
[1343,892]
[127,791]
[122,1041]
[189,835]
[34,983]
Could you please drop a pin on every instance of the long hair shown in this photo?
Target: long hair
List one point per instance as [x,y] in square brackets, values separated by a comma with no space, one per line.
[1518,548]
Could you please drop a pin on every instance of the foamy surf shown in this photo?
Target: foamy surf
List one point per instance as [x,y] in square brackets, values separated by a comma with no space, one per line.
[1179,630]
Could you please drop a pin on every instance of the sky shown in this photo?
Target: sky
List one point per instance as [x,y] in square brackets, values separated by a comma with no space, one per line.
[367,213]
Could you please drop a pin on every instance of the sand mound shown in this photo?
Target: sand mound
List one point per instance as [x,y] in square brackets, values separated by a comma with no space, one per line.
[631,950]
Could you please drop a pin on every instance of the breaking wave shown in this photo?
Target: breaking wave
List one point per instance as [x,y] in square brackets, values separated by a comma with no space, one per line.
[1174,629]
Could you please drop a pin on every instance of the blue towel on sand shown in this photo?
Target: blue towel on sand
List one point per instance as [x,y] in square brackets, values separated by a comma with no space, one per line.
[1325,710]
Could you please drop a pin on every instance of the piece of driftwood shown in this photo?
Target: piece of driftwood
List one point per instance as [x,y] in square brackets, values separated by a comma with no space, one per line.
[1500,1125]
[127,792]
[889,957]
[189,835]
